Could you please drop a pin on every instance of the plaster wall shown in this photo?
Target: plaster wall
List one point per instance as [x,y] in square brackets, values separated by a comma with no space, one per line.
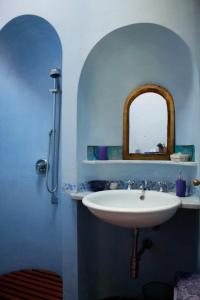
[30,226]
[80,26]
[123,60]
[179,16]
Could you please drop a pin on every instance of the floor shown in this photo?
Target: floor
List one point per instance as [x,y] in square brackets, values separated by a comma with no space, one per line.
[31,285]
[120,298]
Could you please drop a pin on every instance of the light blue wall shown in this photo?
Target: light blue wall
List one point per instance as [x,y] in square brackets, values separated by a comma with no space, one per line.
[72,20]
[121,61]
[30,227]
[70,248]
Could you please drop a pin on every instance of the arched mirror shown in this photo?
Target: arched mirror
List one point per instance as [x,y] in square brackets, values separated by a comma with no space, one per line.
[148,131]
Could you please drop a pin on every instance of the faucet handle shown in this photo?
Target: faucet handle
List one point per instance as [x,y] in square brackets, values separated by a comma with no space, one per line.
[129,182]
[163,187]
[144,185]
[160,186]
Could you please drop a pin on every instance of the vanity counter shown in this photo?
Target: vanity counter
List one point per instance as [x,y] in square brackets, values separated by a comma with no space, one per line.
[79,195]
[191,202]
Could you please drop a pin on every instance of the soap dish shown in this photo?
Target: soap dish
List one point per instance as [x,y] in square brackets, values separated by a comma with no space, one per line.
[179,157]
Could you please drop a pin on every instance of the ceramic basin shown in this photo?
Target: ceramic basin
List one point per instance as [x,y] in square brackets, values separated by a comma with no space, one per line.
[126,209]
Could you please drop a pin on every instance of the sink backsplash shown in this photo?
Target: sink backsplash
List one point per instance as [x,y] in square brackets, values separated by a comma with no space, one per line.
[168,186]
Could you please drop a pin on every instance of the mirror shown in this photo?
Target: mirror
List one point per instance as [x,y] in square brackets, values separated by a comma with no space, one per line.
[145,133]
[148,124]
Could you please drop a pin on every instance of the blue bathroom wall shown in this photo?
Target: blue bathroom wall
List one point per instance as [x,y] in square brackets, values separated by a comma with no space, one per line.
[70,248]
[72,20]
[30,226]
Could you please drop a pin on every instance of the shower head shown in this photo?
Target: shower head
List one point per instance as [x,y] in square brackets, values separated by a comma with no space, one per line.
[54,73]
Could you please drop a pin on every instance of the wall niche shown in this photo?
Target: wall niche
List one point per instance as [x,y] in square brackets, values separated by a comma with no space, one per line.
[121,61]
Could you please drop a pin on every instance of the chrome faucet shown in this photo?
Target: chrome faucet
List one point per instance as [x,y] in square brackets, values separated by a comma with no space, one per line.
[129,187]
[143,187]
[162,186]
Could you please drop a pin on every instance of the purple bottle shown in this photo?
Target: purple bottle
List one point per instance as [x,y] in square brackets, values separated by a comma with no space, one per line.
[102,155]
[180,186]
[100,152]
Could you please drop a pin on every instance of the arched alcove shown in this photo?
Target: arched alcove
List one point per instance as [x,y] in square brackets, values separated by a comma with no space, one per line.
[121,61]
[30,227]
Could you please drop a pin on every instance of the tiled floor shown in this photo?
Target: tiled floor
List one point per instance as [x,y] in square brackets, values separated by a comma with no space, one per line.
[31,285]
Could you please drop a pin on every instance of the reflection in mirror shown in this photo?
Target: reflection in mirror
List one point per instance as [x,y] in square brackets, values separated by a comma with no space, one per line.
[149,116]
[148,124]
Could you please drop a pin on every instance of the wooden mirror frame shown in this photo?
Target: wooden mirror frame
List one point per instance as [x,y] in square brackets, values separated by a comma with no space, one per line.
[170,124]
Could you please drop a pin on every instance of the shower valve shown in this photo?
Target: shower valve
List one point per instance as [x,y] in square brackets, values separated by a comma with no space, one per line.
[41,166]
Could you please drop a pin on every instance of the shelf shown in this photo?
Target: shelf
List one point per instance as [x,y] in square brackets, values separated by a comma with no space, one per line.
[152,162]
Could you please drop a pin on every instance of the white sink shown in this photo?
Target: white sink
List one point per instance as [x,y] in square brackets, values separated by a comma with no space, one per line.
[124,207]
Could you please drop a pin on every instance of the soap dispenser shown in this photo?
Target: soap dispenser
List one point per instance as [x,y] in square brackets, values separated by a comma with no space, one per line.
[180,186]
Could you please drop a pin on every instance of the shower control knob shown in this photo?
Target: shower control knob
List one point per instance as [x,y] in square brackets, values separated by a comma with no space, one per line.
[41,166]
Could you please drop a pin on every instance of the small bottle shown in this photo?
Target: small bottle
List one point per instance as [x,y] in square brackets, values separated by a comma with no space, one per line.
[180,186]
